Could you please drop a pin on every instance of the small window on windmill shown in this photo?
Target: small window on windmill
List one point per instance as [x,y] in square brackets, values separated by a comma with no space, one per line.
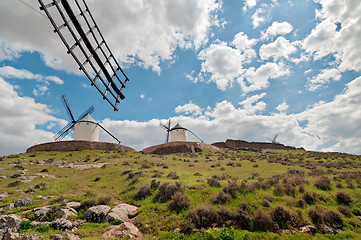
[83,40]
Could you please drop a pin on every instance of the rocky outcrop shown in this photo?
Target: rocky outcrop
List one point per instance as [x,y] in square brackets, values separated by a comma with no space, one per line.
[96,213]
[121,212]
[179,147]
[238,144]
[9,224]
[78,146]
[124,230]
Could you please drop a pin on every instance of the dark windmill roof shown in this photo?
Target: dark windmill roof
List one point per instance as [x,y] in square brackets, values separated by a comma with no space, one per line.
[178,126]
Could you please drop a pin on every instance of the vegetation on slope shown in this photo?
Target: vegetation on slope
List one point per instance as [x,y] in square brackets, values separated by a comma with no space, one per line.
[238,194]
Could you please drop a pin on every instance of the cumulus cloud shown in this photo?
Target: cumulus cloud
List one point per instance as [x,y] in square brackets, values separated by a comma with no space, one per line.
[277,49]
[189,108]
[258,78]
[337,34]
[251,104]
[258,17]
[323,78]
[248,4]
[19,120]
[277,28]
[148,32]
[283,107]
[223,63]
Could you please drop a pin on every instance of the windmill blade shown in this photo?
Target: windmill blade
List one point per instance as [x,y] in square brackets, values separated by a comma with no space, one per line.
[169,124]
[67,107]
[194,135]
[274,139]
[270,139]
[64,132]
[89,111]
[109,133]
[164,126]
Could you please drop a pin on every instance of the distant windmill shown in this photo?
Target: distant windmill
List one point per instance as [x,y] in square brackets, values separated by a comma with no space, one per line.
[274,139]
[85,128]
[178,133]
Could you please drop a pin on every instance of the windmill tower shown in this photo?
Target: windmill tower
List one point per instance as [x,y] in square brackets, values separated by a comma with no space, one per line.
[85,128]
[178,133]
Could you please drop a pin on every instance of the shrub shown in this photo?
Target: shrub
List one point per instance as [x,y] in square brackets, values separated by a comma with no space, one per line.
[310,197]
[154,184]
[30,215]
[343,197]
[262,221]
[143,192]
[316,215]
[87,204]
[41,186]
[232,188]
[323,183]
[334,219]
[104,200]
[173,175]
[281,216]
[24,225]
[166,191]
[14,184]
[179,202]
[203,217]
[221,198]
[54,213]
[214,182]
[344,210]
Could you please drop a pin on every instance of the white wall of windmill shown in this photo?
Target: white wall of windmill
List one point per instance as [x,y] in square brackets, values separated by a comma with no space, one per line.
[179,135]
[86,131]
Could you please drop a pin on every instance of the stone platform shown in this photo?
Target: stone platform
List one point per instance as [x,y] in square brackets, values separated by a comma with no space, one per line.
[179,147]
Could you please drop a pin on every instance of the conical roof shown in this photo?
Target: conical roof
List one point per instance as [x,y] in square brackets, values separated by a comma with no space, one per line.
[178,126]
[87,118]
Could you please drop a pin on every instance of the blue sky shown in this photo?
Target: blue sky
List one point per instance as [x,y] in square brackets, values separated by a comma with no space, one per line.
[241,69]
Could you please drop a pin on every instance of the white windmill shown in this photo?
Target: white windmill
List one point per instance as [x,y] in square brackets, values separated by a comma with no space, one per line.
[274,139]
[178,133]
[85,128]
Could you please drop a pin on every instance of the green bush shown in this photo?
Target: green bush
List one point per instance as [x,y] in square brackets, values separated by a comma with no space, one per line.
[24,225]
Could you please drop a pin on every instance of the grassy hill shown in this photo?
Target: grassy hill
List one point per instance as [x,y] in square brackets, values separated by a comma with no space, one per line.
[207,195]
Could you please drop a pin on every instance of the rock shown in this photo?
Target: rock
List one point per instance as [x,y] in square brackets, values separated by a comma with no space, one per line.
[61,224]
[40,213]
[73,204]
[359,217]
[10,222]
[22,202]
[10,206]
[9,235]
[124,230]
[96,213]
[121,212]
[3,195]
[28,236]
[65,236]
[69,212]
[310,229]
[328,230]
[40,224]
[339,231]
[286,231]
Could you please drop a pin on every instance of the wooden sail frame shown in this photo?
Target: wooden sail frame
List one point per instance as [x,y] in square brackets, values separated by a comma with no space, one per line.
[81,36]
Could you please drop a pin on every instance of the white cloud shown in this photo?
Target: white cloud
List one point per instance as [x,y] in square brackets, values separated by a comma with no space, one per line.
[258,17]
[55,79]
[40,90]
[251,104]
[323,78]
[189,108]
[248,4]
[19,118]
[343,43]
[283,107]
[258,79]
[223,63]
[277,28]
[278,49]
[11,72]
[149,31]
[142,96]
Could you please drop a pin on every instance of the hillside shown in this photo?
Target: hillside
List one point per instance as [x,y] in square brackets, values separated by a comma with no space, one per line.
[270,194]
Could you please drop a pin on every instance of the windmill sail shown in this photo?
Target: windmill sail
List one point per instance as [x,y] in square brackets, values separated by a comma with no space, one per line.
[81,36]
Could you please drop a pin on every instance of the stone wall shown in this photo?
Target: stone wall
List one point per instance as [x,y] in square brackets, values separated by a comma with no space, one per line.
[234,144]
[77,146]
[179,147]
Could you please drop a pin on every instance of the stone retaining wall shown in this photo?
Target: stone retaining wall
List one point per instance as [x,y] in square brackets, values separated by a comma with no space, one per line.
[179,147]
[233,144]
[78,146]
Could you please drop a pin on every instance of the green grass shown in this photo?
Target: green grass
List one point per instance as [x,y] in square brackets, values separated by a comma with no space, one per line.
[155,219]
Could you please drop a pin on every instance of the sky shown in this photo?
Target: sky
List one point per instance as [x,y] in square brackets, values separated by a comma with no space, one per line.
[231,69]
